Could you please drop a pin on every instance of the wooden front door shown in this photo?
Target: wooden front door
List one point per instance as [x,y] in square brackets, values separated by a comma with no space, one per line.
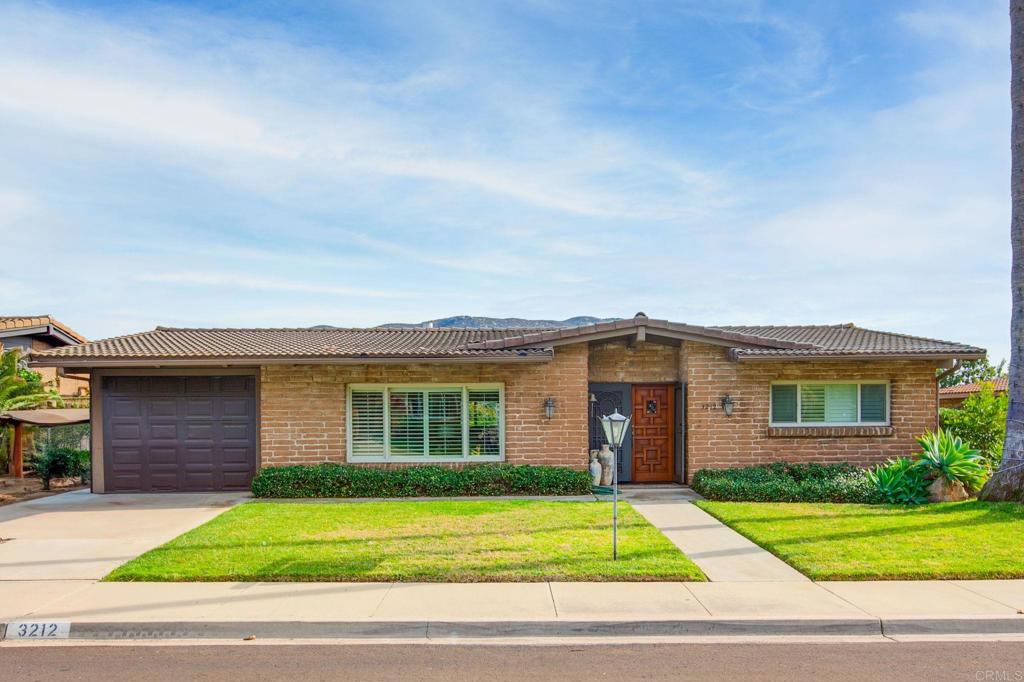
[653,432]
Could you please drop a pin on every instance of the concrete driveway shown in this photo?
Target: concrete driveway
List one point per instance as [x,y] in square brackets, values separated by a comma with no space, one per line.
[81,536]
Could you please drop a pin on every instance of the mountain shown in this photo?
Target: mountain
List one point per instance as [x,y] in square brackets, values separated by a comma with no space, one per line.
[475,322]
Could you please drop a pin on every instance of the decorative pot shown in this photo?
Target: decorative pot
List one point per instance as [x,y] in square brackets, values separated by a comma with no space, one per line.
[595,469]
[607,459]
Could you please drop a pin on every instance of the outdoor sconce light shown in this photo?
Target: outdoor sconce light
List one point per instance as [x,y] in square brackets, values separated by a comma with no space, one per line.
[727,404]
[549,408]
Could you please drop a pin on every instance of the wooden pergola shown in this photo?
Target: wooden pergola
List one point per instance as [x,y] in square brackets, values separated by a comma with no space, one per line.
[45,417]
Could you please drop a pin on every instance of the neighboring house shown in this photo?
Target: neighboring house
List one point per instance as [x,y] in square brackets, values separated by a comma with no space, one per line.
[41,332]
[203,409]
[954,396]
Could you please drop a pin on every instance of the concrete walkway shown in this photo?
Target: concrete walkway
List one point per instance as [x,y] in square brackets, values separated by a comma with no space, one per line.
[81,536]
[719,551]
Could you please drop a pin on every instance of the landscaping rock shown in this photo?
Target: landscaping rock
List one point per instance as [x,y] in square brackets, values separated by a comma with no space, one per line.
[942,490]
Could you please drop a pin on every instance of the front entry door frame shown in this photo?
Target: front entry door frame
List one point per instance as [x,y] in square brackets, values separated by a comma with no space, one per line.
[619,395]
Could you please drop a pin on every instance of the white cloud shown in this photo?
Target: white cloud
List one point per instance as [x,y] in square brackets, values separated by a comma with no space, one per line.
[257,130]
[231,280]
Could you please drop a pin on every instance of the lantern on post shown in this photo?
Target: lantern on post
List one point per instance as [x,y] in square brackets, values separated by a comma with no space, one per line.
[615,427]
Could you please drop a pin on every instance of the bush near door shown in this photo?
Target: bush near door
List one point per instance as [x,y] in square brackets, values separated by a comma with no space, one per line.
[342,480]
[783,482]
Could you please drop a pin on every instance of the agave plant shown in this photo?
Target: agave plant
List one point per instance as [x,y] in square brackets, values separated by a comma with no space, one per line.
[946,456]
[900,481]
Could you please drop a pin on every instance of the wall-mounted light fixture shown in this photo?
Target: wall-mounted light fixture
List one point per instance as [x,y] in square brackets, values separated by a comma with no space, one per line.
[727,405]
[549,408]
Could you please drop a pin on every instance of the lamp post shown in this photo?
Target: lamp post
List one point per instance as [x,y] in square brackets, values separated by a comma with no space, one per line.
[615,426]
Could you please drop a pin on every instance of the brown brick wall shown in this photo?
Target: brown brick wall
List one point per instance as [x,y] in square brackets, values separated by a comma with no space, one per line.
[644,362]
[303,406]
[714,440]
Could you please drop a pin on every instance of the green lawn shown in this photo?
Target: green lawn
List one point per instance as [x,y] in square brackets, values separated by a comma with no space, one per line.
[862,542]
[457,541]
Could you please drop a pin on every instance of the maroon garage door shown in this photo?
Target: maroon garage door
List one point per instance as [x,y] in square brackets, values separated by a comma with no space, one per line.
[192,433]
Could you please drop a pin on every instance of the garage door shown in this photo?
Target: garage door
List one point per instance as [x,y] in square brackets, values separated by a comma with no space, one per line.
[193,433]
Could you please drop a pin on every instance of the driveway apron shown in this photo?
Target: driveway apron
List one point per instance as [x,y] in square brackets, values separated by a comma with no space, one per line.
[82,536]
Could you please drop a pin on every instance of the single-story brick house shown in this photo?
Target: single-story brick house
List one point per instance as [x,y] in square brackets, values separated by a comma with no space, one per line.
[203,409]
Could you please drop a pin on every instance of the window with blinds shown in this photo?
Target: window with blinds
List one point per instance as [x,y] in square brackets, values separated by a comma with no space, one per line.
[430,423]
[830,403]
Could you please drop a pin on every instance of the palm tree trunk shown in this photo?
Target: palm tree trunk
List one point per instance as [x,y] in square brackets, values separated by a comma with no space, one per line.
[1008,481]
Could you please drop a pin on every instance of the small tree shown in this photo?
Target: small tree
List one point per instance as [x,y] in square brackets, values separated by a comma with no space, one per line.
[980,421]
[20,389]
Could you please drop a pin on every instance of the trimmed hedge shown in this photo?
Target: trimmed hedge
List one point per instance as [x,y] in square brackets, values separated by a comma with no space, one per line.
[783,482]
[342,480]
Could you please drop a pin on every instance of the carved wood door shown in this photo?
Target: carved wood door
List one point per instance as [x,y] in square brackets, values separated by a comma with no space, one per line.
[653,432]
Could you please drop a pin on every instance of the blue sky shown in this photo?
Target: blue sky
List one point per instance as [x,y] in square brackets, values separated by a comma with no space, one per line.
[354,163]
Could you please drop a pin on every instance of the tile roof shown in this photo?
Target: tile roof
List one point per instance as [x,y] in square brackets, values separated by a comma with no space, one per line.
[15,322]
[847,340]
[293,343]
[411,344]
[999,385]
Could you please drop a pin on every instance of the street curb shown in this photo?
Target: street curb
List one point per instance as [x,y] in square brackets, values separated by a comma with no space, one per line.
[953,626]
[470,629]
[370,630]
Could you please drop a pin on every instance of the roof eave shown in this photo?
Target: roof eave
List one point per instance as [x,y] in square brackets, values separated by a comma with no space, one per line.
[89,363]
[738,355]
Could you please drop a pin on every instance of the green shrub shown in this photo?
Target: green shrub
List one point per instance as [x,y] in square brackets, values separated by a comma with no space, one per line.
[343,480]
[900,481]
[55,463]
[783,482]
[947,456]
[980,421]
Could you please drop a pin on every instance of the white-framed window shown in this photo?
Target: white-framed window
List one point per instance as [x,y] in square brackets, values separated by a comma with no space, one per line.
[829,403]
[427,423]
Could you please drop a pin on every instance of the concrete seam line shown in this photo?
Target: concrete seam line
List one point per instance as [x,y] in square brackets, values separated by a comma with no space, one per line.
[967,588]
[839,596]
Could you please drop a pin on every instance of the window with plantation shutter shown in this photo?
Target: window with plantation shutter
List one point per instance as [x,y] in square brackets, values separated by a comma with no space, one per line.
[812,403]
[428,423]
[366,423]
[406,429]
[444,424]
[830,403]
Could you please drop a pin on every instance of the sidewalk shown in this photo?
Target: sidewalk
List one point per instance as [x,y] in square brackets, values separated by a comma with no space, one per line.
[415,610]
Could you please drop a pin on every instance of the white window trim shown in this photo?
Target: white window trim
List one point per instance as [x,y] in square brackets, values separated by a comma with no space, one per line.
[387,457]
[858,382]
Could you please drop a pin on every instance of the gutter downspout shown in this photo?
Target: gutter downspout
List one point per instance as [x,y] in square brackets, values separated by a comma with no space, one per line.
[957,364]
